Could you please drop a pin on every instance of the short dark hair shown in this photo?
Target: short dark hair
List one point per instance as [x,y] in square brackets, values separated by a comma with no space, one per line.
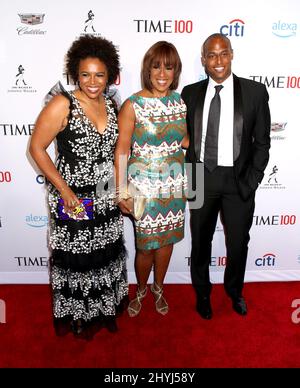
[161,52]
[213,36]
[89,46]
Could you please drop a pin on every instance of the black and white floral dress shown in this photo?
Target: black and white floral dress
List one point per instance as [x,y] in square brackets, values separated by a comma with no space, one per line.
[88,258]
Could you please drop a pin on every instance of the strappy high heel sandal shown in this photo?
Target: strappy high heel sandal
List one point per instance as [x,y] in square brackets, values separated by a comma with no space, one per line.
[135,305]
[161,304]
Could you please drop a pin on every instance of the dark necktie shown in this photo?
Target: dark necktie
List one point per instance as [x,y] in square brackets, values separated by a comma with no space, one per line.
[212,133]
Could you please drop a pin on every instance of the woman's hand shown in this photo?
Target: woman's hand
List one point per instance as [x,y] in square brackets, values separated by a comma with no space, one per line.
[70,199]
[185,142]
[126,206]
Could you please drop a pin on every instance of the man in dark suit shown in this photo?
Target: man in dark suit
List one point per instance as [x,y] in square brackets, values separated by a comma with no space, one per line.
[228,119]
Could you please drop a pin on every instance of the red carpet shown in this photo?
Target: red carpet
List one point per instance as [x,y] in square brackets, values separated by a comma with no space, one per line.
[266,337]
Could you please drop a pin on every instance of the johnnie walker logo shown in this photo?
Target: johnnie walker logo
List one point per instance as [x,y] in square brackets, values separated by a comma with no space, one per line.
[88,27]
[20,84]
[272,179]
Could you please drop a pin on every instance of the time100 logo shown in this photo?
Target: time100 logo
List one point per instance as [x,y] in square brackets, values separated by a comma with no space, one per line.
[164,26]
[5,176]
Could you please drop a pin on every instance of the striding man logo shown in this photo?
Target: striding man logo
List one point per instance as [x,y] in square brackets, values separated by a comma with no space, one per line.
[20,76]
[88,24]
[273,175]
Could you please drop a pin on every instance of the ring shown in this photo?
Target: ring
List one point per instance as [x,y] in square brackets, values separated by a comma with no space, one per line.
[73,203]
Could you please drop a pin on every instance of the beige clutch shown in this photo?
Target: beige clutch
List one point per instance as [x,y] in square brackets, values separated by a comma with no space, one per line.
[137,203]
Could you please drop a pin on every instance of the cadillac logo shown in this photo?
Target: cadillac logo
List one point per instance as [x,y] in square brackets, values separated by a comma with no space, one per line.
[32,18]
[277,127]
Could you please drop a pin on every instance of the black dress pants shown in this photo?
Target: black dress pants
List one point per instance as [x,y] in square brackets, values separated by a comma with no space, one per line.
[221,195]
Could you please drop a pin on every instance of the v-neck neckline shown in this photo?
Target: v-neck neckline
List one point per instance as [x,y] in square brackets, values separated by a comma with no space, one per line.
[89,120]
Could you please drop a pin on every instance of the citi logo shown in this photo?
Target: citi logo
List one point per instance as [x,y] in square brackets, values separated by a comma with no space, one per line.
[284,30]
[234,28]
[36,221]
[40,179]
[164,26]
[268,260]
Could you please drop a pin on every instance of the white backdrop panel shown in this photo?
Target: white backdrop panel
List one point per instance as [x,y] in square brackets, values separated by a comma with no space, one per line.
[265,39]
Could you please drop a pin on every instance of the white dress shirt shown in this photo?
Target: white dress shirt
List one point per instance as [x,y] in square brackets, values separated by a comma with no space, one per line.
[225,140]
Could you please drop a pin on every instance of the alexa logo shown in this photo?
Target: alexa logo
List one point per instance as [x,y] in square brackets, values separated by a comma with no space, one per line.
[268,260]
[234,28]
[31,19]
[36,221]
[284,29]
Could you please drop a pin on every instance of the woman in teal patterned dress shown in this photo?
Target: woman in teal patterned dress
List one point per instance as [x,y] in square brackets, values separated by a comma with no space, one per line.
[152,133]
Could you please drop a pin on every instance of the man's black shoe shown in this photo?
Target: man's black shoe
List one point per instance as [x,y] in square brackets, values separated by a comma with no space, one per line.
[239,305]
[203,307]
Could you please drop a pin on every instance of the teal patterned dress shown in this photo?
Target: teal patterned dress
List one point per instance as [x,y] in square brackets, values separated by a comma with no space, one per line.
[156,168]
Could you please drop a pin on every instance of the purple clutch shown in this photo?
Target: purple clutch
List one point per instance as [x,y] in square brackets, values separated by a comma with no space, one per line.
[84,211]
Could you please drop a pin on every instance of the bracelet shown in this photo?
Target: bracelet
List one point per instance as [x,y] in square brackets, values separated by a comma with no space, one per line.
[121,195]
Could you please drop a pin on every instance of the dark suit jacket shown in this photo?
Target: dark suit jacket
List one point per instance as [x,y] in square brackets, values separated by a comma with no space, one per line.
[251,132]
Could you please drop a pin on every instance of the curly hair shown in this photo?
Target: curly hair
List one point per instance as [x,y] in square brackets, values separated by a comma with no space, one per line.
[165,52]
[89,46]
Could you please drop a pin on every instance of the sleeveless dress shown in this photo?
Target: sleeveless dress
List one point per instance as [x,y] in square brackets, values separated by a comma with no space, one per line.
[88,268]
[156,168]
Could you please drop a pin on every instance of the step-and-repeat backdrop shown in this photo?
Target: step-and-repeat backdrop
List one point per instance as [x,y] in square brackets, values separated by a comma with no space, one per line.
[34,37]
